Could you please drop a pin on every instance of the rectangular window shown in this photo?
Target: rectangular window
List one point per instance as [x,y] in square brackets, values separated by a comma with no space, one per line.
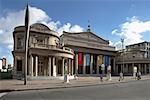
[19,43]
[19,65]
[40,40]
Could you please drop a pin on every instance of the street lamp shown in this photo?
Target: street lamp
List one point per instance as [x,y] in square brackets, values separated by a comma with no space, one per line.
[122,41]
[26,43]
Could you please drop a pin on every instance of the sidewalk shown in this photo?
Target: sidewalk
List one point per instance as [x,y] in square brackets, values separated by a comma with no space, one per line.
[17,85]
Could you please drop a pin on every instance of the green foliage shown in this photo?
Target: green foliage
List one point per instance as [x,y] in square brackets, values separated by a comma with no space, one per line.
[6,75]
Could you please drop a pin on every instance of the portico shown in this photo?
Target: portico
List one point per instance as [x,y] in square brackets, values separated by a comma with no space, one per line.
[49,65]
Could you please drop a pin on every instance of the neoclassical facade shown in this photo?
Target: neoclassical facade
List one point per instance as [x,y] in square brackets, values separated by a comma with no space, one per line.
[91,51]
[46,56]
[135,55]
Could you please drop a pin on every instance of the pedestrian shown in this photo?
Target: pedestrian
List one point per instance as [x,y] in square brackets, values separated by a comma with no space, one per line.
[101,77]
[121,76]
[139,75]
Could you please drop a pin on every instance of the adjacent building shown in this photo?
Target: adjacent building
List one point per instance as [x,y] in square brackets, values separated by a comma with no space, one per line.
[134,55]
[3,63]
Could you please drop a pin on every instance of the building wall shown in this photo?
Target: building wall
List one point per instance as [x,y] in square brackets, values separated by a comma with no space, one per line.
[44,52]
[85,43]
[136,55]
[0,63]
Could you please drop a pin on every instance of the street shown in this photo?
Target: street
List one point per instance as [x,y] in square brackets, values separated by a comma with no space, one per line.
[137,90]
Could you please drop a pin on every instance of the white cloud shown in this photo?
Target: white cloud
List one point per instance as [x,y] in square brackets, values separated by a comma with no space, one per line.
[132,31]
[68,28]
[16,18]
[111,43]
[76,28]
[1,31]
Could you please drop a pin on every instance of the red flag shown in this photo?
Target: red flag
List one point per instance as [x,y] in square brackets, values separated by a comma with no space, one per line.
[80,58]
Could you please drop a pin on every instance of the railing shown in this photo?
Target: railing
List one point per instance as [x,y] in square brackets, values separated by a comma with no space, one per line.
[46,46]
[136,49]
[67,49]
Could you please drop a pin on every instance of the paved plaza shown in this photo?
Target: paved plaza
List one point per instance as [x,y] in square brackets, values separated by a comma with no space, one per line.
[17,85]
[138,90]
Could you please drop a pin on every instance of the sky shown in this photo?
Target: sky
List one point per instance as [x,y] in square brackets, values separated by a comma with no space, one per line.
[109,19]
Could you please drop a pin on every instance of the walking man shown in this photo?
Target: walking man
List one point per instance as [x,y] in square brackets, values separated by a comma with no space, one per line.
[101,77]
[121,76]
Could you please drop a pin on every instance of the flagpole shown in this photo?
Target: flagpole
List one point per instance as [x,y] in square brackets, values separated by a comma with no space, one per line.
[26,43]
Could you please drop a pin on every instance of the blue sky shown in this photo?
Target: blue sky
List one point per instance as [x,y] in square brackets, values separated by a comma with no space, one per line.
[110,19]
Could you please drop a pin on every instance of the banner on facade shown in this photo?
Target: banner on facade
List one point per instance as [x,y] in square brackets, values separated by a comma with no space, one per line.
[106,60]
[80,58]
[100,60]
[87,59]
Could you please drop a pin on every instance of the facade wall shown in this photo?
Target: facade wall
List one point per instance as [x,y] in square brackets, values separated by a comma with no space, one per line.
[90,52]
[0,63]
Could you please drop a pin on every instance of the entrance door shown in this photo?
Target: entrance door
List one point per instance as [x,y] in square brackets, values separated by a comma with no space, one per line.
[19,65]
[59,67]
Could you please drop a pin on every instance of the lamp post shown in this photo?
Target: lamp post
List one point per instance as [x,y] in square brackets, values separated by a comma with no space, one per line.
[148,50]
[26,43]
[122,41]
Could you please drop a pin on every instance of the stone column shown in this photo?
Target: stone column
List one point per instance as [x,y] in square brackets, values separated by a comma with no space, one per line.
[127,68]
[49,66]
[145,69]
[104,64]
[84,63]
[31,65]
[63,61]
[116,69]
[36,66]
[139,67]
[54,67]
[69,70]
[72,67]
[91,65]
[114,65]
[76,63]
[149,68]
[132,67]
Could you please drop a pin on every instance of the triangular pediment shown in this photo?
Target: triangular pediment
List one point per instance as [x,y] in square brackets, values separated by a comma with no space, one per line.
[88,36]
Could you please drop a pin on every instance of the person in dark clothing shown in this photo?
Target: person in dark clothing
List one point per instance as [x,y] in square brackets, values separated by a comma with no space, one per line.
[101,77]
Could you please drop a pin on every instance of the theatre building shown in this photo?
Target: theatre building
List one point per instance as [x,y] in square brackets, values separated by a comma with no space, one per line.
[91,51]
[82,53]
